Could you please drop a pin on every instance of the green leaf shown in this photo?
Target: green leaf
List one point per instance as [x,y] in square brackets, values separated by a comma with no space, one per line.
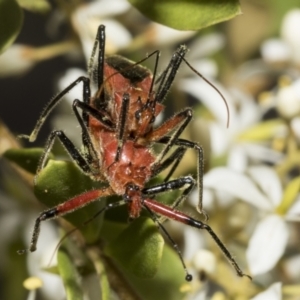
[69,275]
[112,229]
[27,158]
[11,19]
[138,248]
[289,196]
[58,182]
[168,283]
[188,14]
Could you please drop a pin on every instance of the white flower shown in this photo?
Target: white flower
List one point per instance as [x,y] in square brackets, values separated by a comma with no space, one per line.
[267,244]
[244,114]
[262,189]
[87,18]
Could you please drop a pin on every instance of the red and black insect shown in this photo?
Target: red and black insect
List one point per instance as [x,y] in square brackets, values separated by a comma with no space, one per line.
[117,134]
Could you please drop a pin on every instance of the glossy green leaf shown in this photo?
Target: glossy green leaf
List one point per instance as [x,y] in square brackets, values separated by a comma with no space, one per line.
[58,182]
[138,248]
[26,158]
[112,229]
[289,196]
[11,19]
[168,283]
[69,275]
[188,14]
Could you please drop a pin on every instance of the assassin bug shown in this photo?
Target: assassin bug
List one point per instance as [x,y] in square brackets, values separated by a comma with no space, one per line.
[117,132]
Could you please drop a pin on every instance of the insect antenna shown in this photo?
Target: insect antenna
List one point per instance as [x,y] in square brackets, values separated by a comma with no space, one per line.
[213,86]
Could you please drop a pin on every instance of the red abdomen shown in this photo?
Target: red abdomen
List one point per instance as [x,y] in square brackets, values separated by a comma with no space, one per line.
[133,166]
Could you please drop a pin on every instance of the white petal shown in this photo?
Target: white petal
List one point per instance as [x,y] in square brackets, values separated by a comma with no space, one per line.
[237,158]
[69,77]
[295,209]
[275,50]
[289,32]
[208,198]
[263,153]
[205,260]
[103,8]
[295,124]
[86,20]
[220,138]
[16,60]
[292,267]
[193,241]
[225,199]
[117,36]
[164,35]
[206,67]
[238,185]
[248,112]
[206,45]
[266,178]
[288,100]
[272,293]
[267,244]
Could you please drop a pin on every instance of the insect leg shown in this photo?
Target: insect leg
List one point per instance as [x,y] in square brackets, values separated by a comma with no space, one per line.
[167,77]
[171,186]
[200,166]
[71,149]
[82,160]
[178,216]
[65,208]
[100,40]
[90,153]
[121,127]
[50,106]
[188,276]
[177,124]
[175,158]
